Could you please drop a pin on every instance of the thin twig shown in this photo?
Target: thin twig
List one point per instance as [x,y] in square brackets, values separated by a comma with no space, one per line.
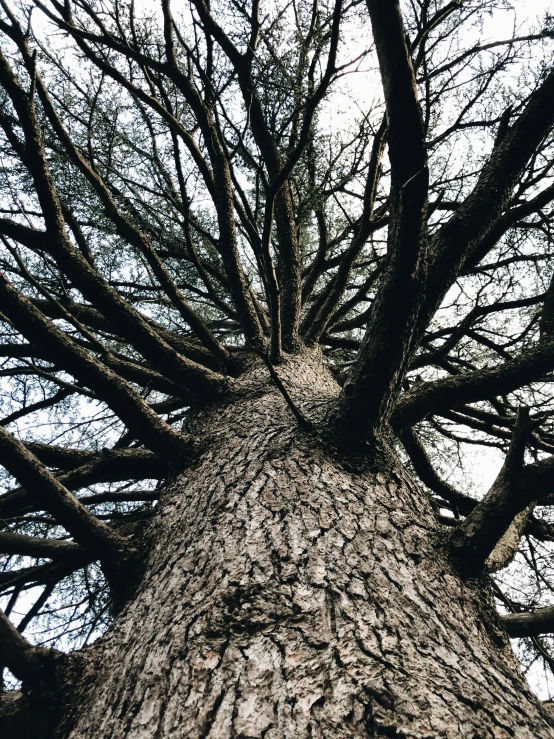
[282,389]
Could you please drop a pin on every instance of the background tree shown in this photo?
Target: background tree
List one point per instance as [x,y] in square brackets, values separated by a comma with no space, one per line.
[240,295]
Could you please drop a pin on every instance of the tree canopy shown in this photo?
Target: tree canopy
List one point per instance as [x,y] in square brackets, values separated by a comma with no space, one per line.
[186,188]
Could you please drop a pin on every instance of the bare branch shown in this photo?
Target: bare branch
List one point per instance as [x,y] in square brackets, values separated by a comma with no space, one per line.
[31,546]
[370,390]
[428,398]
[455,243]
[510,495]
[118,395]
[537,622]
[50,494]
[85,469]
[129,321]
[29,664]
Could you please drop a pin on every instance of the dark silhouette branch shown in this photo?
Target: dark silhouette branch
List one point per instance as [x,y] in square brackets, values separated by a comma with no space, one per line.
[87,468]
[27,663]
[74,264]
[53,497]
[429,398]
[319,316]
[515,488]
[284,392]
[455,242]
[31,546]
[422,465]
[117,393]
[370,390]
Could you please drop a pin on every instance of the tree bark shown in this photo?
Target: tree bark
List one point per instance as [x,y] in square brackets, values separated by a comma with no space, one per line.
[288,593]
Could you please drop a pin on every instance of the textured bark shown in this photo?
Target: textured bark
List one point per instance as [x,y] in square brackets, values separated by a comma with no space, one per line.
[288,594]
[506,549]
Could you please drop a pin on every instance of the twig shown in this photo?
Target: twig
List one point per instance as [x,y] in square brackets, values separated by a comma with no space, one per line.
[282,389]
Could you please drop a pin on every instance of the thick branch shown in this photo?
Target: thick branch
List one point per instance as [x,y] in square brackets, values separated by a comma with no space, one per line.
[31,546]
[26,662]
[87,468]
[117,394]
[126,228]
[98,321]
[279,193]
[429,398]
[370,390]
[538,622]
[465,233]
[507,546]
[511,494]
[51,495]
[129,322]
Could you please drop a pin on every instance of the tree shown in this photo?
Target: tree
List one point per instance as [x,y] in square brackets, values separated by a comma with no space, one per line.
[233,339]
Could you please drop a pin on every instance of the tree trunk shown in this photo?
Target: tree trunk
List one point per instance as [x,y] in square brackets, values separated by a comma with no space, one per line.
[288,595]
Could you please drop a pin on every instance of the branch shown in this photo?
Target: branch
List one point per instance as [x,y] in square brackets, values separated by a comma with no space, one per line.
[30,546]
[44,574]
[34,407]
[433,22]
[223,194]
[98,321]
[370,390]
[510,495]
[129,322]
[284,392]
[131,496]
[51,495]
[124,226]
[319,316]
[279,193]
[271,284]
[507,546]
[454,334]
[115,392]
[504,223]
[428,398]
[121,463]
[463,235]
[429,477]
[538,528]
[538,622]
[109,465]
[26,662]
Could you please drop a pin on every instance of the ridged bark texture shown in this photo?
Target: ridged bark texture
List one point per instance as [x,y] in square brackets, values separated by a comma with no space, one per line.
[289,596]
